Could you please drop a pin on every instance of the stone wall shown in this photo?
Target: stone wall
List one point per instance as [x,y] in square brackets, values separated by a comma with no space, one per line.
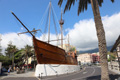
[114,66]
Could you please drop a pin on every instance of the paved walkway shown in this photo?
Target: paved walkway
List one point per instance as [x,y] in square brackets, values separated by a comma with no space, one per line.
[20,78]
[23,76]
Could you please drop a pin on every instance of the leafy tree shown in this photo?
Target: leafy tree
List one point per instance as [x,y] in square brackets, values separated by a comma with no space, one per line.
[99,29]
[10,51]
[72,49]
[112,56]
[19,57]
[0,51]
[6,61]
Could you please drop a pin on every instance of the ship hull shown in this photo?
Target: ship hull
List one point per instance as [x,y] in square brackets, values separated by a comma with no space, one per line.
[49,54]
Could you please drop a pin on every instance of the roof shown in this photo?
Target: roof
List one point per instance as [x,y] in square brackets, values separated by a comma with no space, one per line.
[116,44]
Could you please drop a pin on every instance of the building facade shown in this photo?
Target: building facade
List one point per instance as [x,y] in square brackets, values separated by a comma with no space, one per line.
[95,58]
[85,58]
[88,58]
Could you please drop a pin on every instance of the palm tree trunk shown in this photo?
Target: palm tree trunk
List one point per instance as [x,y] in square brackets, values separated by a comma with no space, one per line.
[27,62]
[13,62]
[101,40]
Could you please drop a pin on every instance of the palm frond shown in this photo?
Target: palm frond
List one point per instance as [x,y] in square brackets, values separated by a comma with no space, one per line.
[112,0]
[83,4]
[100,2]
[60,2]
[68,5]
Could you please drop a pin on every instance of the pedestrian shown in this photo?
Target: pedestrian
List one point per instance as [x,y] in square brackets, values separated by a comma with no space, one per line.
[9,69]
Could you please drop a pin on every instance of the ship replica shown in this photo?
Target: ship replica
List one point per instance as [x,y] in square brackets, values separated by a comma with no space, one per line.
[47,53]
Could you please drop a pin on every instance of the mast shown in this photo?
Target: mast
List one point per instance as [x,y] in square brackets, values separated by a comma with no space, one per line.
[49,22]
[61,22]
[68,40]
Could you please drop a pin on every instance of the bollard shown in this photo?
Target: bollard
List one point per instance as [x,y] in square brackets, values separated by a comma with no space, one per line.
[41,76]
[56,73]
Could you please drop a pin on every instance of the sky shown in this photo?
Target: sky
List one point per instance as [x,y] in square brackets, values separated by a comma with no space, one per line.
[81,29]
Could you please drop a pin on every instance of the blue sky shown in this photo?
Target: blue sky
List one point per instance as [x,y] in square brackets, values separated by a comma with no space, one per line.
[30,12]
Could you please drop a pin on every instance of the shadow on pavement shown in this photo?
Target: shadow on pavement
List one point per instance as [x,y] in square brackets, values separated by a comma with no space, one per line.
[98,77]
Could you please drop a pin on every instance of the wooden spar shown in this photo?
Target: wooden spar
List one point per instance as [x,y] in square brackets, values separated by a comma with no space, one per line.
[30,31]
[22,23]
[55,40]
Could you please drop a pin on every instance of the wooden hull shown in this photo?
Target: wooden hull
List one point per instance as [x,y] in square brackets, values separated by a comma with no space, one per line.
[49,54]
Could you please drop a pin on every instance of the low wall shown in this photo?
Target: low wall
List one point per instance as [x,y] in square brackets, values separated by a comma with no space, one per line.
[52,69]
[114,66]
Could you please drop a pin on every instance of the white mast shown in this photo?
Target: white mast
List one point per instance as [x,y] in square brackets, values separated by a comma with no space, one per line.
[49,22]
[61,22]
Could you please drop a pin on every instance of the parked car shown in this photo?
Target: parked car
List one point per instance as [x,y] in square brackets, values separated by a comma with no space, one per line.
[4,69]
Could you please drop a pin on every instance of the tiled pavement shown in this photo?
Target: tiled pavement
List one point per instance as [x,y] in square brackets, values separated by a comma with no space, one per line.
[14,76]
[20,78]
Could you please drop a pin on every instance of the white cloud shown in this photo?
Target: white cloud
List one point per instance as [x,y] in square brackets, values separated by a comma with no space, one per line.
[84,37]
[112,28]
[20,41]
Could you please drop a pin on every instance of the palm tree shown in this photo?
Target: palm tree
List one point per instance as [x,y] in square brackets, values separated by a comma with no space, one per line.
[10,51]
[99,29]
[13,50]
[28,52]
[0,51]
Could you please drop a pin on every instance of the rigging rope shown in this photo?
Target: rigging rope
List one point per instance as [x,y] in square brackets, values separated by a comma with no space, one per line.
[42,20]
[20,28]
[57,36]
[54,23]
[24,41]
[45,30]
[58,24]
